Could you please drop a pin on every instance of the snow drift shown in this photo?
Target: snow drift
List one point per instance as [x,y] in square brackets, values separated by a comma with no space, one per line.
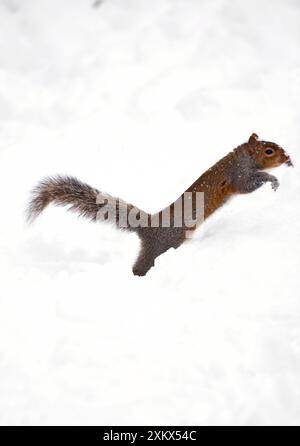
[138,98]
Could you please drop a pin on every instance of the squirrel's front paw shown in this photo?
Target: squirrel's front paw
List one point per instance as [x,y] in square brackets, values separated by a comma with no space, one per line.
[275,184]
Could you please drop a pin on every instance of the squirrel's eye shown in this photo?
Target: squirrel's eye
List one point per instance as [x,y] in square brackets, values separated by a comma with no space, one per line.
[269,151]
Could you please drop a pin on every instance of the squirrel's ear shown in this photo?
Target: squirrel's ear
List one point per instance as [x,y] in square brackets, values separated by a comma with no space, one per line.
[253,138]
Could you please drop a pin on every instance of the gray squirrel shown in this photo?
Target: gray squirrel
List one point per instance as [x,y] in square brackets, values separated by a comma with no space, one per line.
[240,172]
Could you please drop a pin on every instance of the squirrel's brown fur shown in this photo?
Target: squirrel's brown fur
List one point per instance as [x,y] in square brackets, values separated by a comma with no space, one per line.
[241,171]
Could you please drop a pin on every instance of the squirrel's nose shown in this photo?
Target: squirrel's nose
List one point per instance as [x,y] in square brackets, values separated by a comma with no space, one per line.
[289,162]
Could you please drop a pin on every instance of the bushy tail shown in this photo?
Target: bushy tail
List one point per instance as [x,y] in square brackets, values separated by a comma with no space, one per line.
[80,197]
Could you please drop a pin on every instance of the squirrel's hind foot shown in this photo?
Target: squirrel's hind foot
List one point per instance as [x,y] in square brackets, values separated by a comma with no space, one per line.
[142,265]
[140,269]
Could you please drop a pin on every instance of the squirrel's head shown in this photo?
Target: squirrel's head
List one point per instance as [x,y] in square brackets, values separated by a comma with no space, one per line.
[267,154]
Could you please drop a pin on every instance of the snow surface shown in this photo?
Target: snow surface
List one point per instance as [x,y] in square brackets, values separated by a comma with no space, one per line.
[138,98]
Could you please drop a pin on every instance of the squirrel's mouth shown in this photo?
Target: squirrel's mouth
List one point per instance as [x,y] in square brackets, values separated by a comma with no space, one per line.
[289,162]
[286,159]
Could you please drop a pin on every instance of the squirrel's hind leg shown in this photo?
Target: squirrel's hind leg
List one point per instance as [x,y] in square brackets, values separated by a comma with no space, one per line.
[148,252]
[144,262]
[155,242]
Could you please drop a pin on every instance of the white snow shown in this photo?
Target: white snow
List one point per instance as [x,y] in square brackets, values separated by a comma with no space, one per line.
[138,98]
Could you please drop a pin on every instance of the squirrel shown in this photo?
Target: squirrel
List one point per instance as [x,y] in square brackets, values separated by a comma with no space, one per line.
[242,171]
